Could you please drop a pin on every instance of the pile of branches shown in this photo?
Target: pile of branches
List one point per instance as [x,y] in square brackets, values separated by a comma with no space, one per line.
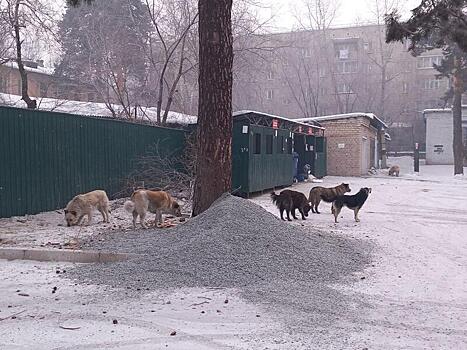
[166,171]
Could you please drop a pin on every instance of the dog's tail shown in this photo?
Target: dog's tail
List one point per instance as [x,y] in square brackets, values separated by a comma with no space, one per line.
[129,206]
[274,197]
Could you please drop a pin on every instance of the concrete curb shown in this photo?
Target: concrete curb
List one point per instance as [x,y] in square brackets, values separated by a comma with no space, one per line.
[77,256]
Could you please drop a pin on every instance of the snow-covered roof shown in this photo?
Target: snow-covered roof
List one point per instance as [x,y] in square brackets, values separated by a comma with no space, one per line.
[437,110]
[370,116]
[39,69]
[144,114]
[298,121]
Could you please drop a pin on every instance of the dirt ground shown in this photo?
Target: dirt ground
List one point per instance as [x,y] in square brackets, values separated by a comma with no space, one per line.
[415,289]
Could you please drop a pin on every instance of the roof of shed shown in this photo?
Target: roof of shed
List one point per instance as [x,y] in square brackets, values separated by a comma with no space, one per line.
[296,121]
[370,116]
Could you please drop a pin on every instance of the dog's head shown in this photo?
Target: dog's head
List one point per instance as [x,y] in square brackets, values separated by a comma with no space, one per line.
[176,209]
[346,187]
[71,217]
[306,209]
[366,190]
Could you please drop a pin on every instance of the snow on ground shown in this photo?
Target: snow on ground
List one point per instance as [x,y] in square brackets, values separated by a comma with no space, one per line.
[415,291]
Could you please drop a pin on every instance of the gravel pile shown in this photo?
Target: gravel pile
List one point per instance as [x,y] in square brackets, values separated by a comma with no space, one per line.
[237,244]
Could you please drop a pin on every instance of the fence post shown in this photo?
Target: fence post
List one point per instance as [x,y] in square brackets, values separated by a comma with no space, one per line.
[416,158]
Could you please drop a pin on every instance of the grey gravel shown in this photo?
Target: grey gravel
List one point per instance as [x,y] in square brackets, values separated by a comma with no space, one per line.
[238,244]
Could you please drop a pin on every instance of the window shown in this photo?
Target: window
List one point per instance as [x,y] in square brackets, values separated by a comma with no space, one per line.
[280,144]
[347,66]
[344,88]
[426,62]
[368,46]
[404,87]
[306,52]
[322,90]
[43,89]
[322,72]
[270,75]
[320,144]
[345,51]
[269,94]
[3,84]
[269,144]
[286,101]
[257,148]
[289,145]
[431,84]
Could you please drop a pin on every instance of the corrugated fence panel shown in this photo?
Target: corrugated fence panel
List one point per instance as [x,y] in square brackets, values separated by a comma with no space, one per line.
[46,158]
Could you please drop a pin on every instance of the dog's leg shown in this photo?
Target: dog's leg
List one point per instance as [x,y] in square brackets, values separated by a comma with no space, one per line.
[312,207]
[135,216]
[288,215]
[89,218]
[294,214]
[355,211]
[282,213]
[142,218]
[337,211]
[104,216]
[303,214]
[80,219]
[316,206]
[158,217]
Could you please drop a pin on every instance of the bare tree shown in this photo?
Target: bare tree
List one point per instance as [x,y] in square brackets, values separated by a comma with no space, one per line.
[25,20]
[168,50]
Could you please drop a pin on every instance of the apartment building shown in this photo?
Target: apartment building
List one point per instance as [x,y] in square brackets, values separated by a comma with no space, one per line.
[342,70]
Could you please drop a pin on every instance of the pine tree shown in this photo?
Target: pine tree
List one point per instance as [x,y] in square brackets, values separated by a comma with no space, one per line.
[214,137]
[104,43]
[440,24]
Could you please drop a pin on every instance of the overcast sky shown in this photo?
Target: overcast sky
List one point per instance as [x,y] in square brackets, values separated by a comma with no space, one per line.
[350,12]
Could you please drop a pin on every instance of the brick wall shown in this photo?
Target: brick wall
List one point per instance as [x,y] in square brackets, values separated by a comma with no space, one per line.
[344,145]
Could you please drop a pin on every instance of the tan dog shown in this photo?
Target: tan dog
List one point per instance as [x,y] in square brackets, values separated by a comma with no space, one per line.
[156,202]
[329,195]
[394,170]
[84,204]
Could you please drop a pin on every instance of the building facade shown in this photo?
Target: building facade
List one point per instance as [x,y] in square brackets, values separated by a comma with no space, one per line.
[354,142]
[43,83]
[343,70]
[439,135]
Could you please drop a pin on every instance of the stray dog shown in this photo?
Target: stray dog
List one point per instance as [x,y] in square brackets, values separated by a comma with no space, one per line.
[156,202]
[354,202]
[289,200]
[83,204]
[329,195]
[394,170]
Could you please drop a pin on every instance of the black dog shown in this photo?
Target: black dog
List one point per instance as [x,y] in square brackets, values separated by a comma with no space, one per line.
[354,202]
[289,200]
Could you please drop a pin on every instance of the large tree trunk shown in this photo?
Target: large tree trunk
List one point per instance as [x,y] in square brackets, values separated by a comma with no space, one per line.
[458,147]
[214,129]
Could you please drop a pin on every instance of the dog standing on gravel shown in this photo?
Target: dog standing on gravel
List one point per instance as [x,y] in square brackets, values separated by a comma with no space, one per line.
[354,202]
[328,195]
[289,201]
[84,204]
[394,170]
[156,202]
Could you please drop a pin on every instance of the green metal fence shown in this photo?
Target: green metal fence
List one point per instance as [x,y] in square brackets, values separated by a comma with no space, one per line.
[46,158]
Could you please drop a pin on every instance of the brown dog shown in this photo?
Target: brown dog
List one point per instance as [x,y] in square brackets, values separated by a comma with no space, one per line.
[288,201]
[156,202]
[394,170]
[84,204]
[329,195]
